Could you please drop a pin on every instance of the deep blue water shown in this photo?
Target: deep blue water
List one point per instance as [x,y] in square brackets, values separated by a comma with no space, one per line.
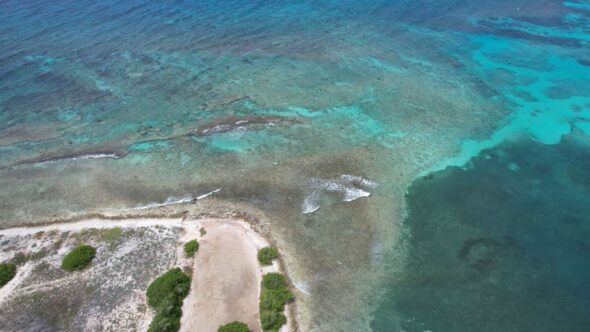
[500,246]
[102,104]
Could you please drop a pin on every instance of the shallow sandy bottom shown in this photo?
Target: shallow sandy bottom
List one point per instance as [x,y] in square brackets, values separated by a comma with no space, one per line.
[226,278]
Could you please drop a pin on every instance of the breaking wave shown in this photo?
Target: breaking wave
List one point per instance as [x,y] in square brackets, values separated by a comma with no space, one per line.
[82,157]
[175,200]
[350,186]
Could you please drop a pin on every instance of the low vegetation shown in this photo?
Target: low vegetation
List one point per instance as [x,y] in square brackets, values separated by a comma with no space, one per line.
[40,254]
[7,272]
[20,258]
[78,258]
[267,254]
[165,294]
[273,297]
[234,327]
[112,236]
[191,247]
[272,320]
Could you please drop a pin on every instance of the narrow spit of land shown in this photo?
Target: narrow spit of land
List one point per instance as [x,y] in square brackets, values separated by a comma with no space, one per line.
[226,274]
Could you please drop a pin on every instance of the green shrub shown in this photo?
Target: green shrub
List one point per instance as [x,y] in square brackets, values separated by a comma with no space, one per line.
[39,254]
[164,323]
[165,294]
[174,282]
[273,297]
[20,258]
[167,318]
[272,320]
[266,255]
[273,280]
[191,247]
[234,327]
[78,258]
[7,272]
[112,236]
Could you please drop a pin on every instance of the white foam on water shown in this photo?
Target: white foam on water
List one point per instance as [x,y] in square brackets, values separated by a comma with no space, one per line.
[175,200]
[169,201]
[96,156]
[347,184]
[354,193]
[310,202]
[303,287]
[91,156]
[359,179]
[209,194]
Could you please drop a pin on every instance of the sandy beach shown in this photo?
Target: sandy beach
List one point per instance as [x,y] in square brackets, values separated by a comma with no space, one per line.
[226,278]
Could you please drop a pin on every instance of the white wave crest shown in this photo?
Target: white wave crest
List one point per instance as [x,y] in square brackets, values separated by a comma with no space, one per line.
[310,202]
[347,184]
[208,194]
[353,193]
[169,201]
[81,157]
[303,287]
[96,156]
[175,200]
[359,179]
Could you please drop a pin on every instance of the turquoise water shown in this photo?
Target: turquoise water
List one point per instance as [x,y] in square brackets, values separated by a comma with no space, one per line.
[101,106]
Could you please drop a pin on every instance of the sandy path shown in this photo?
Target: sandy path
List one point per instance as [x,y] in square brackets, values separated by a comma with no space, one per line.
[93,223]
[226,279]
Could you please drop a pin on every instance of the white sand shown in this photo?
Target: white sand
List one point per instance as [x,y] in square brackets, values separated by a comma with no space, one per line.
[226,279]
[8,289]
[93,223]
